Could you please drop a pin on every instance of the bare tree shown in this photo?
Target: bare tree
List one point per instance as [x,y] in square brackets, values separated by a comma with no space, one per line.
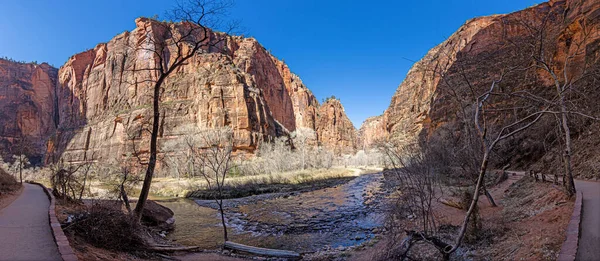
[567,74]
[524,115]
[414,175]
[303,138]
[213,158]
[20,162]
[179,160]
[126,180]
[171,46]
[498,113]
[22,149]
[88,166]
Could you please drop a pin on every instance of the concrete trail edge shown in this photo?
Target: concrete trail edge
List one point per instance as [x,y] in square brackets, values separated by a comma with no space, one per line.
[568,251]
[62,243]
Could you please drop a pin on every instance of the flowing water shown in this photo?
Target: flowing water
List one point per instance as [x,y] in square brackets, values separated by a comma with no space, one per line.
[340,216]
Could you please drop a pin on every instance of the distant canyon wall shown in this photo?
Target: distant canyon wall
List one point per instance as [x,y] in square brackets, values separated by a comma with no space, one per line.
[27,106]
[94,106]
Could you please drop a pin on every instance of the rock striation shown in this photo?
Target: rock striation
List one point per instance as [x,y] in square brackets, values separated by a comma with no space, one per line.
[423,103]
[371,131]
[334,130]
[27,106]
[97,106]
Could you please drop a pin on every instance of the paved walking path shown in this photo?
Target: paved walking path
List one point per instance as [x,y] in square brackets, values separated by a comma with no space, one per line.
[589,241]
[25,232]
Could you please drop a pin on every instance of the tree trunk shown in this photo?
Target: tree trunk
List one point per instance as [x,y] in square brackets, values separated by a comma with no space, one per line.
[489,196]
[82,187]
[471,209]
[223,221]
[125,199]
[303,152]
[570,184]
[568,170]
[21,168]
[139,207]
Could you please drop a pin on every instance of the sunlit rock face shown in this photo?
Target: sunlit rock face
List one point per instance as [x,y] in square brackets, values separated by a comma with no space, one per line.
[27,98]
[104,96]
[425,102]
[334,130]
[103,100]
[371,131]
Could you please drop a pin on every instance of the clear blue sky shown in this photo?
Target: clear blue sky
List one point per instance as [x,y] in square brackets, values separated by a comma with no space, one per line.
[355,50]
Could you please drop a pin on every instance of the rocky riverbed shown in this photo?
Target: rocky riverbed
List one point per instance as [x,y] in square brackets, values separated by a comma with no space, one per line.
[337,217]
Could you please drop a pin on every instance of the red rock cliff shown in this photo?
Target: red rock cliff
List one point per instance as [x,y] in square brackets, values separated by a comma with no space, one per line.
[334,130]
[26,106]
[371,131]
[101,101]
[423,103]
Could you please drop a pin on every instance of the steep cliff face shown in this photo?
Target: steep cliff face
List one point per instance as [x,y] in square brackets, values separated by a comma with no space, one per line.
[475,55]
[26,107]
[250,57]
[304,103]
[411,104]
[103,104]
[334,130]
[372,130]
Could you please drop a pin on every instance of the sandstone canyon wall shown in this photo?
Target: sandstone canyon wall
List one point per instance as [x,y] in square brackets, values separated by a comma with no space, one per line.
[240,85]
[371,131]
[27,102]
[334,130]
[423,103]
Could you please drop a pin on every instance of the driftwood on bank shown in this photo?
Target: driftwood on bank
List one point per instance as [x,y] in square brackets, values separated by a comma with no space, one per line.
[172,248]
[451,203]
[262,251]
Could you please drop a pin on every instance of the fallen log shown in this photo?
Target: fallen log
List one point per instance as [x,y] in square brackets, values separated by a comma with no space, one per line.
[451,203]
[262,251]
[172,248]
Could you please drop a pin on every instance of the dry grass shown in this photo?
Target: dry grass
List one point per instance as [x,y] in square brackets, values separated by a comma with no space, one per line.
[170,187]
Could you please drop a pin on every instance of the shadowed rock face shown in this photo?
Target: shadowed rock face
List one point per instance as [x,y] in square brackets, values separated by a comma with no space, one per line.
[334,130]
[411,104]
[27,98]
[424,102]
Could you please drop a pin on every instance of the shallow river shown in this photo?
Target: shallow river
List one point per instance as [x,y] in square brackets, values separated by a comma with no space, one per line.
[341,216]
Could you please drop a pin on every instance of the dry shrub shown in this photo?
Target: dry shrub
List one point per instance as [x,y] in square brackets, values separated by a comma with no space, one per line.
[107,226]
[474,225]
[7,182]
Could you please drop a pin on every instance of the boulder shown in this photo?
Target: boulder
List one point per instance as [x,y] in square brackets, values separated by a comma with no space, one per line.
[157,215]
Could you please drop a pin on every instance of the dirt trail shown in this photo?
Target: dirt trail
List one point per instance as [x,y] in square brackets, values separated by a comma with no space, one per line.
[589,241]
[25,232]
